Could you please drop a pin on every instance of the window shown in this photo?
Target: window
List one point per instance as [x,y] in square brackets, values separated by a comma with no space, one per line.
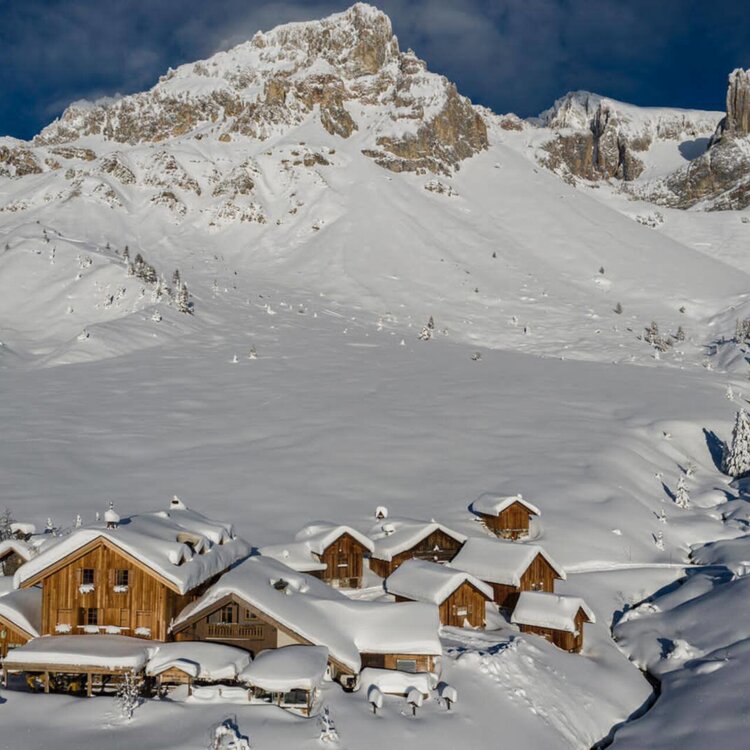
[122,578]
[537,586]
[461,611]
[228,614]
[87,576]
[295,698]
[92,616]
[406,665]
[249,615]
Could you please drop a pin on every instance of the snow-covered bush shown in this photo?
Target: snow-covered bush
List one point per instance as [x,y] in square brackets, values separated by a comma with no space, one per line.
[737,456]
[128,696]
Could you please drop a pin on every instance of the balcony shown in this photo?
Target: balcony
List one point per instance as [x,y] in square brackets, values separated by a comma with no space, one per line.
[235,631]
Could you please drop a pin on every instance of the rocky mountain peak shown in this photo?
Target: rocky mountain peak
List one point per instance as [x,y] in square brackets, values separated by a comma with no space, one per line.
[737,120]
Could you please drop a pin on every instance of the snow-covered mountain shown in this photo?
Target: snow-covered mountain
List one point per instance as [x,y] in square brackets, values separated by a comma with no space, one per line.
[322,195]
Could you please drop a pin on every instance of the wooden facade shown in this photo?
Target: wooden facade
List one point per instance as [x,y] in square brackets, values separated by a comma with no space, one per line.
[101,587]
[465,603]
[510,523]
[539,576]
[11,636]
[436,547]
[403,662]
[563,639]
[344,559]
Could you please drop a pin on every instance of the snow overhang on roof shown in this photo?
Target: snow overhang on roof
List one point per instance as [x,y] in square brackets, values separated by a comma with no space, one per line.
[181,546]
[16,546]
[425,581]
[490,504]
[497,561]
[23,609]
[287,668]
[547,610]
[320,535]
[396,535]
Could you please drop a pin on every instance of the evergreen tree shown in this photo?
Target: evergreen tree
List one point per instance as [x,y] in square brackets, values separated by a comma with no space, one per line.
[6,519]
[183,300]
[682,498]
[176,280]
[680,335]
[737,455]
[126,254]
[618,308]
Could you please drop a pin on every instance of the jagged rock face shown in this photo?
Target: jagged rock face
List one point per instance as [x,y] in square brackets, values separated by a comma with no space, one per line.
[737,120]
[18,161]
[346,69]
[598,138]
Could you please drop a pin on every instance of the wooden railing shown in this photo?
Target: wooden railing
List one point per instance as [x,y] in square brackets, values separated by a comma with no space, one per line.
[235,630]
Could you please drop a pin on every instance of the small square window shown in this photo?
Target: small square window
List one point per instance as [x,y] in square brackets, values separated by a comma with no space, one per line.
[87,576]
[406,665]
[92,616]
[122,577]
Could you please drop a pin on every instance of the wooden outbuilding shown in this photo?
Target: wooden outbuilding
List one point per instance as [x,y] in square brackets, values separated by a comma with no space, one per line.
[559,619]
[400,539]
[459,596]
[506,517]
[132,579]
[13,554]
[333,553]
[509,567]
[20,618]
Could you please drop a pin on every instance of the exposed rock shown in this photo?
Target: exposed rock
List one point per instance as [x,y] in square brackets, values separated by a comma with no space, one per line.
[18,161]
[71,152]
[114,166]
[737,120]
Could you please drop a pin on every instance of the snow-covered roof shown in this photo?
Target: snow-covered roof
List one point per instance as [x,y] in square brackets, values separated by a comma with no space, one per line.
[544,610]
[320,615]
[23,608]
[6,585]
[22,527]
[182,546]
[287,668]
[426,581]
[203,661]
[497,561]
[393,682]
[311,542]
[490,504]
[395,535]
[105,651]
[9,546]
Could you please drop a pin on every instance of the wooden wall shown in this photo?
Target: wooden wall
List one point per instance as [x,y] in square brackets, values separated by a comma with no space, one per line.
[437,547]
[539,576]
[511,523]
[147,603]
[561,638]
[465,597]
[344,559]
[10,563]
[425,663]
[10,637]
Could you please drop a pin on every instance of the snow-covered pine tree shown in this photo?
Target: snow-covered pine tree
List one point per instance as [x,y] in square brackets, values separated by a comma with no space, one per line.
[618,308]
[680,335]
[183,300]
[742,331]
[6,519]
[431,323]
[682,498]
[128,696]
[126,254]
[652,332]
[176,280]
[737,456]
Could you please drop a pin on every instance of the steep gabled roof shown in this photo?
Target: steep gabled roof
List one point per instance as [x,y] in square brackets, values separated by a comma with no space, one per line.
[181,546]
[545,610]
[23,610]
[425,581]
[393,536]
[16,546]
[303,554]
[490,504]
[320,615]
[497,561]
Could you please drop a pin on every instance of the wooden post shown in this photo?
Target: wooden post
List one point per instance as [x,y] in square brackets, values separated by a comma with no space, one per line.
[46,682]
[89,686]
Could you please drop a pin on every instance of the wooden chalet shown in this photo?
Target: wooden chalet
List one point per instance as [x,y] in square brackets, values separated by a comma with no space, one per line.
[20,619]
[509,568]
[131,577]
[397,540]
[459,596]
[506,517]
[559,619]
[13,554]
[333,553]
[276,606]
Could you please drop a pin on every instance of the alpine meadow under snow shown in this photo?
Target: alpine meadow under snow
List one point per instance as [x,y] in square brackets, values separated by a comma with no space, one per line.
[305,279]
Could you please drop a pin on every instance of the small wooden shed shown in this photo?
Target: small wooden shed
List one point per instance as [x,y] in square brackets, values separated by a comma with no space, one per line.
[557,618]
[459,596]
[20,618]
[507,517]
[509,567]
[13,554]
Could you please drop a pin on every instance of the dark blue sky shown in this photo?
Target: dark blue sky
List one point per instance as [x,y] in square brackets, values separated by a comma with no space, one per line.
[511,55]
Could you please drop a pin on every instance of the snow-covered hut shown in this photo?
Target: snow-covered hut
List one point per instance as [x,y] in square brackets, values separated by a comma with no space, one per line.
[399,539]
[506,516]
[289,677]
[20,618]
[509,567]
[186,663]
[278,606]
[331,552]
[132,579]
[13,554]
[459,596]
[557,618]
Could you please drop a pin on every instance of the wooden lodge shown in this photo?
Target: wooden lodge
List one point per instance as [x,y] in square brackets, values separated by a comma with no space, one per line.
[509,568]
[506,517]
[399,540]
[558,619]
[336,554]
[460,597]
[131,578]
[19,619]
